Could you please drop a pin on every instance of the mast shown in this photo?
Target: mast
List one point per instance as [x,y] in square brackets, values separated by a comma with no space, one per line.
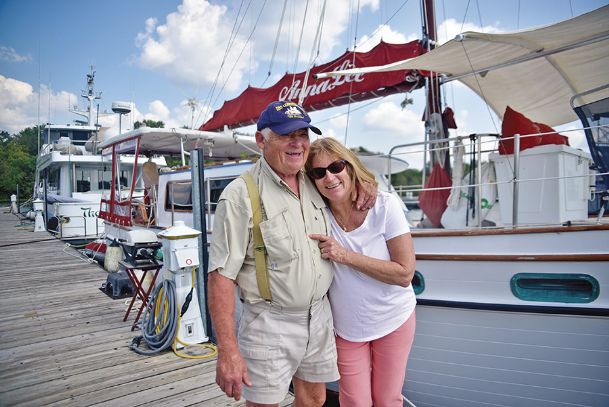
[429,42]
[432,86]
[91,96]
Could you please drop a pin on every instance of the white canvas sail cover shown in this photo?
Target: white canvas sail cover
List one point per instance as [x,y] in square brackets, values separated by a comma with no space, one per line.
[536,72]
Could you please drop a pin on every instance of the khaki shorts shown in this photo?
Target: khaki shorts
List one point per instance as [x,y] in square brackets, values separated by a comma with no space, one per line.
[279,343]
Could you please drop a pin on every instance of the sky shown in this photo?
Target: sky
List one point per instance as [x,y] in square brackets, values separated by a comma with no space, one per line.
[159,54]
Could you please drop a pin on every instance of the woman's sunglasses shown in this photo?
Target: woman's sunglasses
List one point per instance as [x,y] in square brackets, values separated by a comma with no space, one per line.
[334,168]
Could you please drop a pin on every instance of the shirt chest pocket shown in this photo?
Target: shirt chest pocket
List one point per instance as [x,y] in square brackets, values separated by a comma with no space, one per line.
[319,221]
[278,241]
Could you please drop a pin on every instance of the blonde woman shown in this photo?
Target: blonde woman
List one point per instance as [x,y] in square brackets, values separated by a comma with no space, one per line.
[372,300]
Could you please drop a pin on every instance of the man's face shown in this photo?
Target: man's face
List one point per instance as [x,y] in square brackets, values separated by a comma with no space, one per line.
[285,154]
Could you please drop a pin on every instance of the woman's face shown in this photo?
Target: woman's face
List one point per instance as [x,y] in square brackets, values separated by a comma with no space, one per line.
[335,187]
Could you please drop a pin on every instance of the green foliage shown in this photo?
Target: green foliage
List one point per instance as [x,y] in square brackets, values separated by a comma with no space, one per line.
[149,123]
[409,177]
[18,162]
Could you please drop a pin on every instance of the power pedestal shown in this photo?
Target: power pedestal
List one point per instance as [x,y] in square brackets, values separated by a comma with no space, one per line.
[180,261]
[38,206]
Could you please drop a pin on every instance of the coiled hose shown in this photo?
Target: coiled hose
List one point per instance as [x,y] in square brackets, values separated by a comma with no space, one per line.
[159,326]
[161,321]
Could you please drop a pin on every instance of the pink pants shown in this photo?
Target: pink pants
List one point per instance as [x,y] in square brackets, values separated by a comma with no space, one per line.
[373,372]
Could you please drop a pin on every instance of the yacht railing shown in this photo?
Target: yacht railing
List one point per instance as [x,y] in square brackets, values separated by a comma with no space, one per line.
[410,194]
[64,220]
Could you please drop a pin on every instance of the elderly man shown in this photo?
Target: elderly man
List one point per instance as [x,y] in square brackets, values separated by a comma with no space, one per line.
[286,331]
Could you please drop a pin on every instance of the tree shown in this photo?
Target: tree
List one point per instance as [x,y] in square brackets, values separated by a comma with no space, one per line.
[18,162]
[17,167]
[149,123]
[28,139]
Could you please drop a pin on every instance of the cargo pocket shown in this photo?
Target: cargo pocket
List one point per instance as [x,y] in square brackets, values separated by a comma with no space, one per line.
[260,365]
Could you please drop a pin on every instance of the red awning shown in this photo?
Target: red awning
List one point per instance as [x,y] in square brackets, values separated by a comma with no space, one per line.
[326,92]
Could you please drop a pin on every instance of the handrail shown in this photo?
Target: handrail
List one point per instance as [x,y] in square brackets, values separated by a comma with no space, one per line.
[476,148]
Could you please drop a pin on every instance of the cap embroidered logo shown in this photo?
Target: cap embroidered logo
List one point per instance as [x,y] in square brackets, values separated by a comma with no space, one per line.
[293,111]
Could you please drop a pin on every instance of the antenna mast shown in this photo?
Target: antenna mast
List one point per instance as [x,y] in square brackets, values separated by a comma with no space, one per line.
[91,96]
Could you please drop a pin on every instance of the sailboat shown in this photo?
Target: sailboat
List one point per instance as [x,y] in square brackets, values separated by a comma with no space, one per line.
[516,312]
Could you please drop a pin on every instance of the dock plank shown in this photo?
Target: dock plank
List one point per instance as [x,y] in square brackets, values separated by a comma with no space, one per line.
[63,342]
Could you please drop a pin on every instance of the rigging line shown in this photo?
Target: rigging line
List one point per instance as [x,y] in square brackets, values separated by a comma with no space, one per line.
[241,53]
[321,29]
[479,87]
[304,17]
[316,42]
[285,3]
[518,16]
[373,101]
[235,29]
[479,15]
[465,16]
[384,23]
[290,33]
[352,64]
[452,88]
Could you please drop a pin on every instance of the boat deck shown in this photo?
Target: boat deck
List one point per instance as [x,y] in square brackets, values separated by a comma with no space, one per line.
[64,342]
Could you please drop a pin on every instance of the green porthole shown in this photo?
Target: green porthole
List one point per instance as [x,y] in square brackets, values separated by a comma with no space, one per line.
[553,287]
[418,283]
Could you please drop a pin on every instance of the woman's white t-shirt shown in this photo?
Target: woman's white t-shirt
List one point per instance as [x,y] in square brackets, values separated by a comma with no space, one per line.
[364,308]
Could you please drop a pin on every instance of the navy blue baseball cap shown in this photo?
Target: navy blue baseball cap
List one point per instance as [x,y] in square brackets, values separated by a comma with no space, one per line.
[284,117]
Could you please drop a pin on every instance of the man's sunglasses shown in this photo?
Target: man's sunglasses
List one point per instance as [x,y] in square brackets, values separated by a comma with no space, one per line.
[334,168]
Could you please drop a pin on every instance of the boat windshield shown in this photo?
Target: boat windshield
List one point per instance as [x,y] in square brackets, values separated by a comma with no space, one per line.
[595,119]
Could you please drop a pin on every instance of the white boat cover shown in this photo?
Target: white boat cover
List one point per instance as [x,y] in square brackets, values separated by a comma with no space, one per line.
[535,72]
[169,141]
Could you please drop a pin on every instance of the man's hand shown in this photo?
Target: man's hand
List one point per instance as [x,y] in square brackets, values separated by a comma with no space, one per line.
[231,373]
[231,369]
[366,195]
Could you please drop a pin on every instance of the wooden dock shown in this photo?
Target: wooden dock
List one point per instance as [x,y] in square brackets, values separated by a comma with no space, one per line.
[63,341]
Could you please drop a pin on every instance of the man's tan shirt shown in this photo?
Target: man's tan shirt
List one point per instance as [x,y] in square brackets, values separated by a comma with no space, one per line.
[298,275]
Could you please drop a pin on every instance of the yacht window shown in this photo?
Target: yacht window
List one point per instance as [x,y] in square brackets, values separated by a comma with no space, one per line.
[180,194]
[83,180]
[79,135]
[52,136]
[182,191]
[216,186]
[105,178]
[53,179]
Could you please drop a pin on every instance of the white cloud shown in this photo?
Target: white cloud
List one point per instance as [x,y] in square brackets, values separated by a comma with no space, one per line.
[576,136]
[19,109]
[19,104]
[339,121]
[188,47]
[11,55]
[449,28]
[385,33]
[392,121]
[157,111]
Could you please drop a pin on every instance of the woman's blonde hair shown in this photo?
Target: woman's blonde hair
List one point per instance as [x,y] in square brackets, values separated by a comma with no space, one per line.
[334,148]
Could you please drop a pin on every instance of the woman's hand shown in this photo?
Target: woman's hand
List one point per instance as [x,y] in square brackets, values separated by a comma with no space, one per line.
[330,248]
